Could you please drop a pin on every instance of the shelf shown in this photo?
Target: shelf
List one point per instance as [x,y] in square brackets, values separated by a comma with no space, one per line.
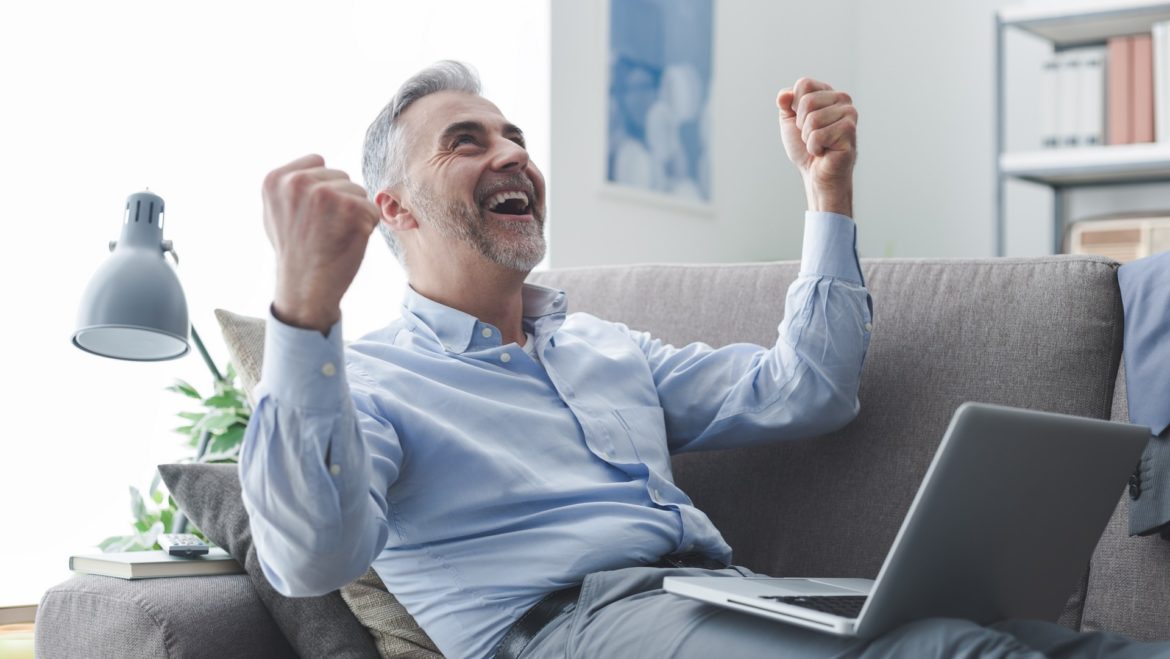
[1074,23]
[1133,163]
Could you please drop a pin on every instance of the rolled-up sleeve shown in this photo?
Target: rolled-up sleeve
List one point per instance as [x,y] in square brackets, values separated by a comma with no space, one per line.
[316,504]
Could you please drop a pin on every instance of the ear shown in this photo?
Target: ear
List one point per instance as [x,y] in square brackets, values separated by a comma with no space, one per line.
[394,212]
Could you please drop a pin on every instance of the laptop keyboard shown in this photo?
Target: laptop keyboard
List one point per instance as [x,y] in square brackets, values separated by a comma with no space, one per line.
[846,606]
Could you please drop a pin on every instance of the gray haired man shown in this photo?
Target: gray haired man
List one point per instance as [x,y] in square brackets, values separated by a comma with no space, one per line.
[505,465]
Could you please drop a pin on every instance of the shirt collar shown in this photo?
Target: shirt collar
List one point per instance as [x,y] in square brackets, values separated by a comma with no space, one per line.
[457,331]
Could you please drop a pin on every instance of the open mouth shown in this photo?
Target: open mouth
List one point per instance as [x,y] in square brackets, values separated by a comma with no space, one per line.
[509,202]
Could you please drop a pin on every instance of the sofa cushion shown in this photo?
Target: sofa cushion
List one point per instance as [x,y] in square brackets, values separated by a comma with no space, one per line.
[395,632]
[1040,333]
[315,626]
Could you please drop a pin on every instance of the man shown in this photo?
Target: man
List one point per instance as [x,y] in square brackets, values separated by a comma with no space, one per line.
[489,449]
[1145,295]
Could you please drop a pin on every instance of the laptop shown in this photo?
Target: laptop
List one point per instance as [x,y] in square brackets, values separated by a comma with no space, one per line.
[1003,525]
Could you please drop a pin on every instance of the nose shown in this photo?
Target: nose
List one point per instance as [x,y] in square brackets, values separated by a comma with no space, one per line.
[509,156]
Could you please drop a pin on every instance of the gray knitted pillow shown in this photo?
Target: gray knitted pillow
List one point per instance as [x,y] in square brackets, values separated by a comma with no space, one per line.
[314,626]
[395,632]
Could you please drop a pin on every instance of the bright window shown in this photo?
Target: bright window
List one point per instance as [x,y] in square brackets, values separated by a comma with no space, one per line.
[196,101]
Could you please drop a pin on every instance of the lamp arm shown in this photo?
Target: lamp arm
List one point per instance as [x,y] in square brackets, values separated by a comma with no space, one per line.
[206,357]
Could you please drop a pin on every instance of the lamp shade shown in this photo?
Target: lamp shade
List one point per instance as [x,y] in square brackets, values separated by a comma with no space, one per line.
[134,307]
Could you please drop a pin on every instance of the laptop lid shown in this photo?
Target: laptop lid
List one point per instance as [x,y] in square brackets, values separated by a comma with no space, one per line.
[1006,519]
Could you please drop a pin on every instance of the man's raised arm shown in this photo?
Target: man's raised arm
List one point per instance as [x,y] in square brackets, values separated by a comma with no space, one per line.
[316,504]
[806,384]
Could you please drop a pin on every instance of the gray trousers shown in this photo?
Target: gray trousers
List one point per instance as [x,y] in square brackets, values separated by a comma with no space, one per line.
[625,613]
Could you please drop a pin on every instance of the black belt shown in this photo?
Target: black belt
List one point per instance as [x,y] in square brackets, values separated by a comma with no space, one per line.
[521,633]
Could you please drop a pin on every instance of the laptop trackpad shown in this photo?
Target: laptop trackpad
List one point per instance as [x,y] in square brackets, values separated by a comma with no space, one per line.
[816,586]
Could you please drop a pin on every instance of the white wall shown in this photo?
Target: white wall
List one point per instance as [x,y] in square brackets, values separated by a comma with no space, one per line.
[197,102]
[760,48]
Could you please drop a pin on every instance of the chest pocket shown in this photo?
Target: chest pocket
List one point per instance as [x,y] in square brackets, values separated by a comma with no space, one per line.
[645,428]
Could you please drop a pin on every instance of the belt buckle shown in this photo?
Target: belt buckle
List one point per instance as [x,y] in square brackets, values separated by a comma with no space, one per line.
[692,559]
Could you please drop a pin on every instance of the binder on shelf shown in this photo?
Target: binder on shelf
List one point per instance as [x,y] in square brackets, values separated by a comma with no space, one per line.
[1143,88]
[1161,40]
[1068,85]
[1050,104]
[1119,91]
[1091,87]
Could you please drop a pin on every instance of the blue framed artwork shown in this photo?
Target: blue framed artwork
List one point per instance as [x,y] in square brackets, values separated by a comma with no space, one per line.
[658,106]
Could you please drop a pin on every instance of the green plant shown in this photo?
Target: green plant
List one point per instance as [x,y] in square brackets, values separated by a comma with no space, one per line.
[223,416]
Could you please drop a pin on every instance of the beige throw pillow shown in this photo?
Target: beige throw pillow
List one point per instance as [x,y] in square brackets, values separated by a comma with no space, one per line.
[395,632]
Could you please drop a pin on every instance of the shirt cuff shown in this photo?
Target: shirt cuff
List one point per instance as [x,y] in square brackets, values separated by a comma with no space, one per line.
[302,367]
[830,247]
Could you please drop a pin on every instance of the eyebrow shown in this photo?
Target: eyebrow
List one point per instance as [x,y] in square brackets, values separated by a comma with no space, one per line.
[476,127]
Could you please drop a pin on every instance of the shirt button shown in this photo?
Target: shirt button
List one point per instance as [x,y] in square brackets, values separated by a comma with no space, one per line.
[487,333]
[335,469]
[655,493]
[505,358]
[689,547]
[329,370]
[869,327]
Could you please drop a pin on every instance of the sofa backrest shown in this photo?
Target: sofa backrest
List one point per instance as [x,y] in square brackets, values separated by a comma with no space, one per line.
[1128,588]
[1041,333]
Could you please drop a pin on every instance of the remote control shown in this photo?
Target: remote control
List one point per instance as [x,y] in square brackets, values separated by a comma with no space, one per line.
[182,544]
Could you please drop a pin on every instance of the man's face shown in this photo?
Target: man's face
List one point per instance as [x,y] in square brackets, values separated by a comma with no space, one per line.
[469,178]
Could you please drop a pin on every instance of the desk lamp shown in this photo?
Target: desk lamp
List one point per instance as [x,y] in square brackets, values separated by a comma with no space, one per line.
[134,307]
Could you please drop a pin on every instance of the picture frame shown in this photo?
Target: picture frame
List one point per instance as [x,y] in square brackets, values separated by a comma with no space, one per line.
[658,105]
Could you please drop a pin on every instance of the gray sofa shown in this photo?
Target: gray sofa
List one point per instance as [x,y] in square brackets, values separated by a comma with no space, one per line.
[1042,333]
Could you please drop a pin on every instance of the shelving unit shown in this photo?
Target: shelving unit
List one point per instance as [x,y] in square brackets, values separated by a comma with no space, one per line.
[1066,26]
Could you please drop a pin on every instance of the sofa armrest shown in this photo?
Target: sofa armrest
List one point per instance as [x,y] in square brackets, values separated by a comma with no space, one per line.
[209,616]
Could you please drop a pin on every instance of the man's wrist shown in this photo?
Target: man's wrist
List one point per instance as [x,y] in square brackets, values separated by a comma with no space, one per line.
[300,316]
[830,200]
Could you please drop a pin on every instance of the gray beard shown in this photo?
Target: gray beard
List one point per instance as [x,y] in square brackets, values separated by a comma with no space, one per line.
[514,245]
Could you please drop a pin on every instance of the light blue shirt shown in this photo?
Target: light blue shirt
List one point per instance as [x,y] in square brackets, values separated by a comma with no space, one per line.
[476,479]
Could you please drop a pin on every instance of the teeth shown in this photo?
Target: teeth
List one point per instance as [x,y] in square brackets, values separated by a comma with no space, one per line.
[500,197]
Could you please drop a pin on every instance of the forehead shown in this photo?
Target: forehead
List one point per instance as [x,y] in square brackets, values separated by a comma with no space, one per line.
[426,118]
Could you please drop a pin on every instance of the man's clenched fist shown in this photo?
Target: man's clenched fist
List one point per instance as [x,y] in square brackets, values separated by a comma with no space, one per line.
[319,223]
[818,126]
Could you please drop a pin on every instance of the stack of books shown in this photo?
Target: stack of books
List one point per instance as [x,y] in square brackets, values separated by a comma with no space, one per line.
[153,564]
[1111,94]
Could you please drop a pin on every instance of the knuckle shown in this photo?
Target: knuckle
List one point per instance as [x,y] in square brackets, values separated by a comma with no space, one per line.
[299,183]
[271,180]
[802,106]
[320,193]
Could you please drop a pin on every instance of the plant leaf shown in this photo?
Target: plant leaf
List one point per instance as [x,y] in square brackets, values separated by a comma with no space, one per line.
[112,543]
[137,505]
[183,388]
[221,400]
[217,423]
[229,441]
